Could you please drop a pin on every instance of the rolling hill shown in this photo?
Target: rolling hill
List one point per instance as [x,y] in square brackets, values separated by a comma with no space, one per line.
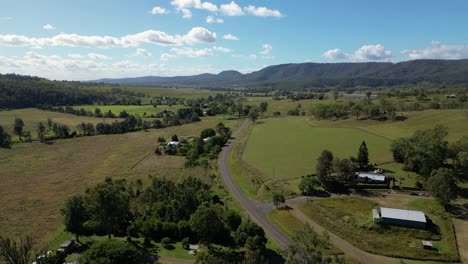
[371,74]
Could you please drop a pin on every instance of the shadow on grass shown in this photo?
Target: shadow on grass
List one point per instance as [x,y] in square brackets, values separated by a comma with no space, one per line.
[459,211]
[273,257]
[367,193]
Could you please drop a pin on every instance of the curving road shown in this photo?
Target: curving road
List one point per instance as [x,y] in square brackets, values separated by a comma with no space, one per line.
[257,211]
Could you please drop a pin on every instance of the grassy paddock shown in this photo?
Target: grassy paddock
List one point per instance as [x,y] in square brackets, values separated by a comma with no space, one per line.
[36,178]
[350,218]
[137,110]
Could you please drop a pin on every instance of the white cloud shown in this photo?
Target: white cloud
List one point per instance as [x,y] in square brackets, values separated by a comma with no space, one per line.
[157,10]
[75,56]
[97,56]
[167,56]
[186,13]
[262,11]
[252,56]
[212,19]
[231,9]
[48,27]
[438,51]
[198,4]
[221,49]
[195,35]
[56,67]
[364,53]
[266,49]
[334,54]
[193,53]
[143,53]
[230,37]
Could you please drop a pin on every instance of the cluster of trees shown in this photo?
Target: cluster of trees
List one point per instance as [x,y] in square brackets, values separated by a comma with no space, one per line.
[440,164]
[82,112]
[335,174]
[17,91]
[363,109]
[208,145]
[165,211]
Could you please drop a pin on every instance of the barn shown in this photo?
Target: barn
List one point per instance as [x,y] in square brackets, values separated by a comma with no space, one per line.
[401,217]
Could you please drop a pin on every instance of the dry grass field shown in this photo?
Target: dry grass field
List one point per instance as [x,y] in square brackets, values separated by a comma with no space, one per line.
[36,178]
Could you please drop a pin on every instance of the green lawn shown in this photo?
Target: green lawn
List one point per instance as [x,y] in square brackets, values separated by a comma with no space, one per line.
[351,219]
[288,148]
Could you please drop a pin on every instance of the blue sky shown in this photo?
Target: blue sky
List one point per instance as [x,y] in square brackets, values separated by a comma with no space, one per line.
[81,40]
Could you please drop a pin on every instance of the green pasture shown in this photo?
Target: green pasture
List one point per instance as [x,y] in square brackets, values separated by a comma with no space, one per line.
[137,110]
[288,148]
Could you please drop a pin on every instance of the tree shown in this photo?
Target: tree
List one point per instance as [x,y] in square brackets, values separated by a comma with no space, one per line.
[41,129]
[344,170]
[74,216]
[278,199]
[5,138]
[18,127]
[16,253]
[161,140]
[108,204]
[254,250]
[363,156]
[175,138]
[232,219]
[111,252]
[308,185]
[253,114]
[208,223]
[442,185]
[208,132]
[336,95]
[306,248]
[324,167]
[263,107]
[248,229]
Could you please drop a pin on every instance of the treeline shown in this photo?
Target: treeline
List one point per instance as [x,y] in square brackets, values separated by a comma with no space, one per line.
[440,164]
[365,108]
[188,211]
[17,91]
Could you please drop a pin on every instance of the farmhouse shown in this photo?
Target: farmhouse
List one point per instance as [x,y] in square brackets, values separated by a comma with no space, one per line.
[371,178]
[173,144]
[400,217]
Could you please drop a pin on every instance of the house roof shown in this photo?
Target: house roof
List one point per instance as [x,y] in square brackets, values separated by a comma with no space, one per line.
[374,177]
[408,215]
[173,143]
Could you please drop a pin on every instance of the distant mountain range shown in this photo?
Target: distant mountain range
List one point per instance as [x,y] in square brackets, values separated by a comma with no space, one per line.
[371,74]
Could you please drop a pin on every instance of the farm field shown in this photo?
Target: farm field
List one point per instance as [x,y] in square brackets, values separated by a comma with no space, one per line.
[350,218]
[455,120]
[32,116]
[36,178]
[288,148]
[137,110]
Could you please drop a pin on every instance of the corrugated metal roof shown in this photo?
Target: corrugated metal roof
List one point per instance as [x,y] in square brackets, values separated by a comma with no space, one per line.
[374,177]
[408,215]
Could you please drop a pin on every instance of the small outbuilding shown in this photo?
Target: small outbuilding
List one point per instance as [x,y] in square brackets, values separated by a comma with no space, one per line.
[402,217]
[206,139]
[427,244]
[173,144]
[371,178]
[67,246]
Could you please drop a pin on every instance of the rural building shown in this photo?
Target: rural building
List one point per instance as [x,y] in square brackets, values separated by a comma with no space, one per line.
[371,178]
[173,144]
[450,96]
[67,246]
[359,96]
[400,217]
[206,139]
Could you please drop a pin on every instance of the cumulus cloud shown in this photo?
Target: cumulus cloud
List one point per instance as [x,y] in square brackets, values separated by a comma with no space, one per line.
[266,49]
[438,50]
[97,56]
[157,10]
[75,56]
[195,35]
[193,53]
[262,11]
[212,19]
[221,49]
[231,9]
[143,53]
[48,27]
[186,13]
[166,56]
[56,67]
[364,53]
[198,4]
[230,37]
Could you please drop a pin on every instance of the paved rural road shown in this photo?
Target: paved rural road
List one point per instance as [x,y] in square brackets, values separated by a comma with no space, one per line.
[257,211]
